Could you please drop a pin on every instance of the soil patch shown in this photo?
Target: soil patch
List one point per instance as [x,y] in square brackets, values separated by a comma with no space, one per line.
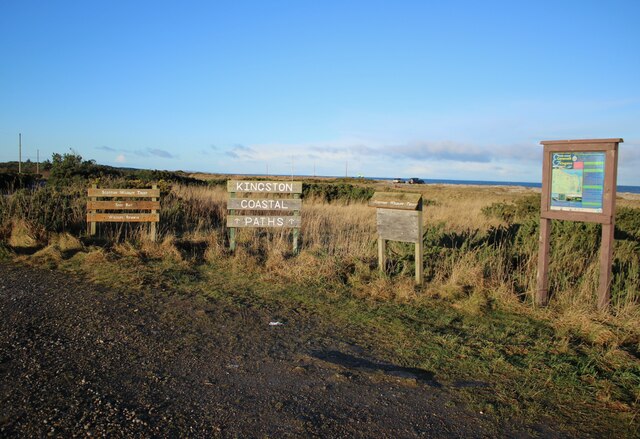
[77,359]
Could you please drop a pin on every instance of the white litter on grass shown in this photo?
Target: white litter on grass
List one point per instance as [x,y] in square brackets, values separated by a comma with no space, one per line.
[276,323]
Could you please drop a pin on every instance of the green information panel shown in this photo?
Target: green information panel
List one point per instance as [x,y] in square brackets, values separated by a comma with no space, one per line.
[577,181]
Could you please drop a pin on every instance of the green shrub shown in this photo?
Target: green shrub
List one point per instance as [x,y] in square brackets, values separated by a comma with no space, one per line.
[331,192]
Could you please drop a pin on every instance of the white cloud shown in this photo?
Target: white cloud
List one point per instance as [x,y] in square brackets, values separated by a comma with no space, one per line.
[364,150]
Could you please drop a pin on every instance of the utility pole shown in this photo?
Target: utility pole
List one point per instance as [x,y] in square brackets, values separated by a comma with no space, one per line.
[314,168]
[19,153]
[267,169]
[291,167]
[346,169]
[37,161]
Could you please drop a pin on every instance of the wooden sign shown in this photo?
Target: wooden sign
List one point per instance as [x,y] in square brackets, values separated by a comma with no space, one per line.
[579,180]
[123,217]
[399,225]
[263,221]
[122,193]
[399,218]
[142,211]
[396,200]
[123,205]
[262,204]
[271,187]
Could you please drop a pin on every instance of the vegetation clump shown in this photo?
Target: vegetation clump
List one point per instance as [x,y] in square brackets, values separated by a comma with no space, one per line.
[329,192]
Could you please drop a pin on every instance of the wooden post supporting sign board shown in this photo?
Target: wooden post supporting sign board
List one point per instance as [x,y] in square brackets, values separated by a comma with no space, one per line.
[123,206]
[579,180]
[399,218]
[264,203]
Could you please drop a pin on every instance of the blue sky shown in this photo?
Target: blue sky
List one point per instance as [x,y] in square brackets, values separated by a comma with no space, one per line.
[457,89]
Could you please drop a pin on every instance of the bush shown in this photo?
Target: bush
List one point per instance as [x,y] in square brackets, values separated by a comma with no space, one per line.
[68,169]
[10,181]
[342,191]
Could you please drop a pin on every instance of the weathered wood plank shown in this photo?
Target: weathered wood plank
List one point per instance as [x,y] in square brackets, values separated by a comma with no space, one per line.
[420,252]
[399,225]
[123,205]
[152,227]
[92,225]
[542,295]
[263,221]
[577,216]
[264,204]
[271,187]
[123,217]
[382,255]
[396,200]
[141,193]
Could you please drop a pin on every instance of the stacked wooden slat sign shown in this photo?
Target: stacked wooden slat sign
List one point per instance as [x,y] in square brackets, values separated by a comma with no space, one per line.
[399,218]
[291,204]
[123,206]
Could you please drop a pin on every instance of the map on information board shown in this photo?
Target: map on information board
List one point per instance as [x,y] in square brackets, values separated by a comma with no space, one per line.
[577,181]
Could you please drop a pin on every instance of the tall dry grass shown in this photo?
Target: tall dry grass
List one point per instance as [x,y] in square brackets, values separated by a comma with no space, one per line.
[480,251]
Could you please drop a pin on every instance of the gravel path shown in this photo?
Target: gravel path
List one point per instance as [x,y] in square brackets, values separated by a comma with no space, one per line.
[77,359]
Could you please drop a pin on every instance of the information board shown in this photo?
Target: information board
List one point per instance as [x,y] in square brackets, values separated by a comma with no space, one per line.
[577,181]
[399,218]
[579,184]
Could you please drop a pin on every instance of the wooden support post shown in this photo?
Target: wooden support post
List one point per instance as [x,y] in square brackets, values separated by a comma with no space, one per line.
[154,232]
[232,230]
[382,254]
[608,229]
[296,231]
[606,255]
[420,251]
[542,295]
[92,224]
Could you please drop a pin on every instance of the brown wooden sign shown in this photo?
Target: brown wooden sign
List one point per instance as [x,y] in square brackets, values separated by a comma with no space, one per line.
[123,217]
[271,187]
[399,218]
[142,210]
[396,200]
[124,193]
[399,225]
[263,204]
[123,205]
[263,221]
[579,180]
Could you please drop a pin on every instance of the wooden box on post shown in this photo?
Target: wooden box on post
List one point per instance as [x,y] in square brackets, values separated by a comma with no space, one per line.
[131,206]
[579,180]
[399,218]
[264,203]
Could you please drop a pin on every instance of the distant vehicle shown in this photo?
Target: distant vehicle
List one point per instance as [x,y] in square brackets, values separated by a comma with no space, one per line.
[415,181]
[398,180]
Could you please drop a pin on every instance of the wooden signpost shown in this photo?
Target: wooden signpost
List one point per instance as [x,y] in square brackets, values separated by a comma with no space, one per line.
[579,180]
[399,218]
[131,206]
[264,204]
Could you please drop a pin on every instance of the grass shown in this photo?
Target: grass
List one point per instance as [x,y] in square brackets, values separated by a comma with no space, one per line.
[472,321]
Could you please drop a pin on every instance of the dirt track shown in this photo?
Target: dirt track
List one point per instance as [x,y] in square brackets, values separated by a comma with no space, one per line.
[79,359]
